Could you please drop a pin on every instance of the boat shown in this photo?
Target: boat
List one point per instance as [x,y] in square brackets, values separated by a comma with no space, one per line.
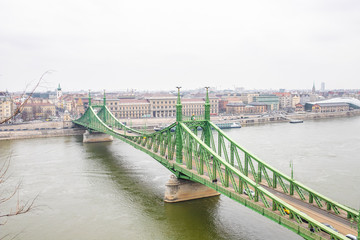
[228,125]
[156,128]
[296,121]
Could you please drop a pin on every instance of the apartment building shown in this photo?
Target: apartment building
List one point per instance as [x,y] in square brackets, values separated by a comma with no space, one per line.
[6,106]
[38,110]
[285,100]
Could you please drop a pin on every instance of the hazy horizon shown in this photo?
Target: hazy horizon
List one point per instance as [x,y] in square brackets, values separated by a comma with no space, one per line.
[117,45]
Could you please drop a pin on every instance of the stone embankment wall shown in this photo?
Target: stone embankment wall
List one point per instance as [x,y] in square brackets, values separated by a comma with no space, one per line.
[38,130]
[244,120]
[295,116]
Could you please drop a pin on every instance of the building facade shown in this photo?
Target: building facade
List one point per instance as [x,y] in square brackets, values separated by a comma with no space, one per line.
[129,108]
[299,107]
[38,110]
[241,108]
[196,106]
[162,106]
[271,100]
[285,100]
[330,107]
[6,106]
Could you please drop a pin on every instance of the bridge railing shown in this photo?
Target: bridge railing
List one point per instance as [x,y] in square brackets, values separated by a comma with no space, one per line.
[208,166]
[250,164]
[231,181]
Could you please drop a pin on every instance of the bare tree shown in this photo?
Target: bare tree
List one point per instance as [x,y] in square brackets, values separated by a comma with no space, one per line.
[20,207]
[21,106]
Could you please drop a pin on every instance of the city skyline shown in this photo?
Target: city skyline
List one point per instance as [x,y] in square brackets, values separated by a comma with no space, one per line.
[161,45]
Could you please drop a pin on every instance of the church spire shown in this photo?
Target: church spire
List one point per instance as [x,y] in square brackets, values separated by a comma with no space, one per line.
[313,88]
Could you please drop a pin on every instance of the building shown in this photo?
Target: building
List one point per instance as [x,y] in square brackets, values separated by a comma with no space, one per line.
[304,98]
[299,107]
[285,100]
[6,106]
[313,88]
[330,107]
[162,106]
[79,108]
[225,100]
[271,100]
[165,106]
[196,106]
[58,92]
[295,99]
[129,108]
[351,102]
[241,108]
[38,110]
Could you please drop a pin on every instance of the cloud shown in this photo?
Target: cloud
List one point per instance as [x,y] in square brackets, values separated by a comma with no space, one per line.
[161,44]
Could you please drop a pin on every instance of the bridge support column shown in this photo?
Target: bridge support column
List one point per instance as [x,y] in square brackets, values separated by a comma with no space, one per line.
[92,137]
[178,190]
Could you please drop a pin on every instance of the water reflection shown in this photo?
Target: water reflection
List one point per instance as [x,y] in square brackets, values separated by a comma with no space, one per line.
[187,220]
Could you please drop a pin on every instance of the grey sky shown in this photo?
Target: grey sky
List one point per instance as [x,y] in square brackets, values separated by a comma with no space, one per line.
[139,44]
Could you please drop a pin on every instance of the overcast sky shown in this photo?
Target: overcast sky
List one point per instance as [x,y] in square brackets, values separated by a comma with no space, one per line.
[142,44]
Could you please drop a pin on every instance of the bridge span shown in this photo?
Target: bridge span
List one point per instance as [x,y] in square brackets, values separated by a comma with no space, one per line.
[201,152]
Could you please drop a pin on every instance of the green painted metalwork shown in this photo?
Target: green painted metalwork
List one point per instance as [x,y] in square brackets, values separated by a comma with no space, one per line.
[89,98]
[225,166]
[179,140]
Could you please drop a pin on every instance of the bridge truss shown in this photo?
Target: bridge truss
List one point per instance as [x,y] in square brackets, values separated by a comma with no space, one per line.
[199,151]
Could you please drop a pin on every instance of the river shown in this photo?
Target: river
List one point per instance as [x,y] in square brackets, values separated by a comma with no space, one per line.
[113,191]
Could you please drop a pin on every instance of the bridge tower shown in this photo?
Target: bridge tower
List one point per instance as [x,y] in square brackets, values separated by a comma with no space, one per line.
[179,156]
[92,136]
[207,118]
[207,128]
[89,96]
[177,189]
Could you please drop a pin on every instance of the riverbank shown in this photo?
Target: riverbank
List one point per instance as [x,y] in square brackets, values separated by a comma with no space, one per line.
[59,129]
[38,130]
[297,116]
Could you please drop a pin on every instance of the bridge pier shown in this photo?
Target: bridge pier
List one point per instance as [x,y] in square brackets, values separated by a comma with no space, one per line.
[92,137]
[178,190]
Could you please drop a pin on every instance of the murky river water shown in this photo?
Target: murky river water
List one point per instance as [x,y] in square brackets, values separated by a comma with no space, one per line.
[113,191]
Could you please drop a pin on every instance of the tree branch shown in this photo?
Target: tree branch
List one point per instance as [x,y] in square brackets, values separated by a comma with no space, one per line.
[21,107]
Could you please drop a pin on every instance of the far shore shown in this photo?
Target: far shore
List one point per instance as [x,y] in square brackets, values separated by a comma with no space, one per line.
[58,129]
[244,120]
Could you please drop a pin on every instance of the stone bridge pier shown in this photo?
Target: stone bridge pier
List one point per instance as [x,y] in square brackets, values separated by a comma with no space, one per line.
[92,137]
[178,190]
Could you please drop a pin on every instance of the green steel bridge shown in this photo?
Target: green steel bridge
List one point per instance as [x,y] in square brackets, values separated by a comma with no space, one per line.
[208,156]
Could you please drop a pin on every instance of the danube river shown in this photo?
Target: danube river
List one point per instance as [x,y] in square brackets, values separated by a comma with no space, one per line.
[113,191]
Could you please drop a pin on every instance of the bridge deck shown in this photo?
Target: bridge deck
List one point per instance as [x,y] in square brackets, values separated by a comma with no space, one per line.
[339,222]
